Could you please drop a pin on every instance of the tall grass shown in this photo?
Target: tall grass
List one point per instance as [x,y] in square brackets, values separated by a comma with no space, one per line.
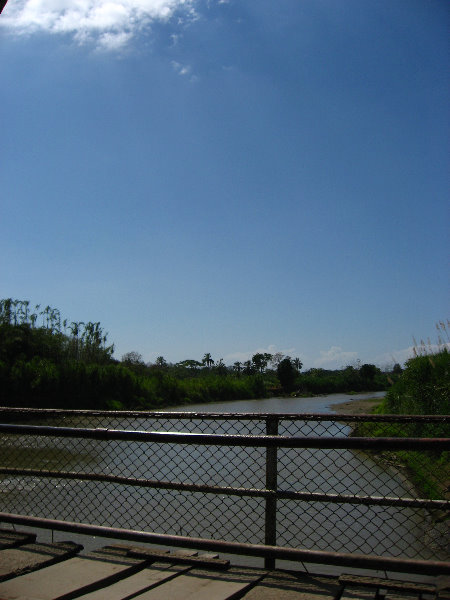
[422,389]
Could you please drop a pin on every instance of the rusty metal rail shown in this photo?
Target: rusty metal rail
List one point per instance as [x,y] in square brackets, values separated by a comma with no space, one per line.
[255,441]
[233,491]
[426,567]
[33,413]
[272,491]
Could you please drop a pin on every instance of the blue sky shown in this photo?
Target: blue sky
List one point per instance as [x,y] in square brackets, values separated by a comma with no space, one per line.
[229,176]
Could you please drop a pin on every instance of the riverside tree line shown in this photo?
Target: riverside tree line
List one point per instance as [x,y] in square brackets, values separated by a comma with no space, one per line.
[47,361]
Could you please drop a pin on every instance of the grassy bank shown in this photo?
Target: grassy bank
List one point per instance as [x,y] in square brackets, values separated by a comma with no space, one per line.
[423,389]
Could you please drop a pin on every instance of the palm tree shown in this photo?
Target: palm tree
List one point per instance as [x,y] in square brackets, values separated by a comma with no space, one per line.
[33,319]
[248,367]
[45,314]
[75,331]
[297,364]
[207,360]
[5,308]
[15,304]
[23,310]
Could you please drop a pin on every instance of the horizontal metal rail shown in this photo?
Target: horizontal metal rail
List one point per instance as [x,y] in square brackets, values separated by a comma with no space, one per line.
[232,491]
[270,492]
[209,416]
[427,567]
[210,439]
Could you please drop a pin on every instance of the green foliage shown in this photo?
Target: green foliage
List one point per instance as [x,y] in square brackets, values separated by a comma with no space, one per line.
[367,372]
[46,362]
[135,362]
[207,360]
[20,335]
[396,369]
[426,471]
[423,388]
[49,361]
[260,361]
[287,374]
[350,379]
[161,362]
[189,364]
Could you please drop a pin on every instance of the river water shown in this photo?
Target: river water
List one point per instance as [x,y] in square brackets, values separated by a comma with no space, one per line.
[343,527]
[316,404]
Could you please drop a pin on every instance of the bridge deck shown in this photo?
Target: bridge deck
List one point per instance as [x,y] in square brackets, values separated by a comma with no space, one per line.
[37,571]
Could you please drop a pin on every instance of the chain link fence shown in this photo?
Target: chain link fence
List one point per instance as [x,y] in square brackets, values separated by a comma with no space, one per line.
[364,500]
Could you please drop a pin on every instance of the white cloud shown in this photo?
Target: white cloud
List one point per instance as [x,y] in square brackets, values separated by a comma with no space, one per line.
[113,41]
[109,24]
[184,71]
[181,69]
[335,357]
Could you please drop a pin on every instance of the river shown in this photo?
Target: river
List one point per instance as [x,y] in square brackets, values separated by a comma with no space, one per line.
[315,404]
[339,527]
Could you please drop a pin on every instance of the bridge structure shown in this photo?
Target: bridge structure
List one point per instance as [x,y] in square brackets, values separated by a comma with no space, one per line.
[303,492]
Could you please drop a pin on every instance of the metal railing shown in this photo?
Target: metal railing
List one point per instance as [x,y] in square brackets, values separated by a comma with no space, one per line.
[299,483]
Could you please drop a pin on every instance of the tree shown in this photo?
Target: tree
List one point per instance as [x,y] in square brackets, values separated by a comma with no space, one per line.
[396,369]
[133,359]
[267,357]
[161,362]
[237,366]
[207,360]
[287,374]
[297,364]
[74,328]
[248,367]
[276,359]
[221,369]
[189,364]
[260,360]
[368,371]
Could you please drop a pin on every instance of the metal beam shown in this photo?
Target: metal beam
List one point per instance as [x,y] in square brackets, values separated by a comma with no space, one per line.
[210,439]
[427,567]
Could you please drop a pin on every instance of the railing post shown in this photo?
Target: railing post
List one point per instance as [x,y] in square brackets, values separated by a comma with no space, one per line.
[271,484]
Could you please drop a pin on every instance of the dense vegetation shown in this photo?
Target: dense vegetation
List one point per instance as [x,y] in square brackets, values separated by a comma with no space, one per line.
[46,361]
[423,388]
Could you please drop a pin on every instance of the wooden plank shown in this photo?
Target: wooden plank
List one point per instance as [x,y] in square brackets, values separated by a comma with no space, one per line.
[24,559]
[389,584]
[10,538]
[61,581]
[283,585]
[138,583]
[358,593]
[401,596]
[183,552]
[200,584]
[202,561]
[123,549]
[443,586]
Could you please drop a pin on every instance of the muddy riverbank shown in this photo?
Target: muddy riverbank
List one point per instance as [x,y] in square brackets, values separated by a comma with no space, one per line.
[360,406]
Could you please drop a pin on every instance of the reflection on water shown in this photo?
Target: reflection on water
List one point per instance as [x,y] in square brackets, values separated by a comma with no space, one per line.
[316,525]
